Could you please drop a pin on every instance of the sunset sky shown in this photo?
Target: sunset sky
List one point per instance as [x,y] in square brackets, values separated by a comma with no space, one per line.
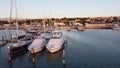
[61,8]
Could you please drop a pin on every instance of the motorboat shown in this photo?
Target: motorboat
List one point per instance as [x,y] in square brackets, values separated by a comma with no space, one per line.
[38,44]
[55,43]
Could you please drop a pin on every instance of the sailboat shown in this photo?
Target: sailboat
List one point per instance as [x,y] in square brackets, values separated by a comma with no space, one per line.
[20,45]
[18,35]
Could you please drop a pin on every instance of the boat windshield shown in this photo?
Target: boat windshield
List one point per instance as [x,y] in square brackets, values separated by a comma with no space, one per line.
[56,34]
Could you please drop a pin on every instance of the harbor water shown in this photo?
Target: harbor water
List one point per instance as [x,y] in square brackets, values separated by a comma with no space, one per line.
[7,33]
[85,49]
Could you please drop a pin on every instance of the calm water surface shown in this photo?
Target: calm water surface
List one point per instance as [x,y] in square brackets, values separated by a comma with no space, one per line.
[8,32]
[87,49]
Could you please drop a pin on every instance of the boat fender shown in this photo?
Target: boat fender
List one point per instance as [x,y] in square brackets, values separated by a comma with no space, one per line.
[8,48]
[33,50]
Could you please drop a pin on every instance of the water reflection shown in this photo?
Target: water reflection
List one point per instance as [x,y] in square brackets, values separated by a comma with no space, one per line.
[13,57]
[10,65]
[54,56]
[63,58]
[16,59]
[92,47]
[0,49]
[35,56]
[51,57]
[34,66]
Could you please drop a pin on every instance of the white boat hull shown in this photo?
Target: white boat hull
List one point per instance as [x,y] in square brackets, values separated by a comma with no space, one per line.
[54,47]
[37,46]
[56,42]
[33,51]
[53,50]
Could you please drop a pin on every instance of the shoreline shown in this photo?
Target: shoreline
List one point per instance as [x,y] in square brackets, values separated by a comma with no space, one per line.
[68,27]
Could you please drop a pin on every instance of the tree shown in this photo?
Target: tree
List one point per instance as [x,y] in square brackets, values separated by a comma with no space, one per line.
[114,19]
[83,21]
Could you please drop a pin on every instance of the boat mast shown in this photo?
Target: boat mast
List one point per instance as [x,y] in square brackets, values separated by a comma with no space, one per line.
[16,17]
[11,10]
[44,21]
[10,35]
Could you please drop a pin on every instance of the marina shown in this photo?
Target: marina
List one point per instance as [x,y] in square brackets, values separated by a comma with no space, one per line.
[97,48]
[59,34]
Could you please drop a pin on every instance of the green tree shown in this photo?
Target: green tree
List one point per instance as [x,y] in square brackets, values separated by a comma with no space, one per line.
[83,21]
[114,19]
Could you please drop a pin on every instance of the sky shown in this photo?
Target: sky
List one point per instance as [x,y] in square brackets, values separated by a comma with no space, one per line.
[60,8]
